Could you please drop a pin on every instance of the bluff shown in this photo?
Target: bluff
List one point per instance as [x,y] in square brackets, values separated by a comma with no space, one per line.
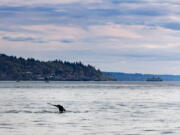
[13,68]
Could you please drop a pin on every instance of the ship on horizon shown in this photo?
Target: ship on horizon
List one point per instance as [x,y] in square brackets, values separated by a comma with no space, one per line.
[154,79]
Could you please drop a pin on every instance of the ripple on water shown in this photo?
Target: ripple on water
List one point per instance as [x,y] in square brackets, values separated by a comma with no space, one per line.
[150,130]
[167,132]
[3,127]
[28,112]
[12,111]
[132,134]
[6,126]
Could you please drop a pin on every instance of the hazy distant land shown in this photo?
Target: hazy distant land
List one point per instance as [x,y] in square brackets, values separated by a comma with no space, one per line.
[141,77]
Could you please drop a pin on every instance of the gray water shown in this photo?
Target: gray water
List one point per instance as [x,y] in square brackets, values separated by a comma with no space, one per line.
[93,108]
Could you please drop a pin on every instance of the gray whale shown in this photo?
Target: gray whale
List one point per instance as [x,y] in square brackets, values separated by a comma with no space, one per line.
[60,107]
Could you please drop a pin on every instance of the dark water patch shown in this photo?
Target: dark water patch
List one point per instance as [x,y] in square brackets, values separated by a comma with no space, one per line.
[18,111]
[84,119]
[29,112]
[112,119]
[116,134]
[160,120]
[26,112]
[40,124]
[71,123]
[86,111]
[44,125]
[167,132]
[29,108]
[45,111]
[143,106]
[5,124]
[175,106]
[12,111]
[132,134]
[107,108]
[75,112]
[139,112]
[150,130]
[7,105]
[121,105]
[37,121]
[6,127]
[56,112]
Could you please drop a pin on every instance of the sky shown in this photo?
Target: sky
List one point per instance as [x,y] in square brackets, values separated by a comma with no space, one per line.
[132,36]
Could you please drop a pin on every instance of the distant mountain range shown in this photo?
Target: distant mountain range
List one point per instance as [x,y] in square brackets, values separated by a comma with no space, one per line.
[141,77]
[12,68]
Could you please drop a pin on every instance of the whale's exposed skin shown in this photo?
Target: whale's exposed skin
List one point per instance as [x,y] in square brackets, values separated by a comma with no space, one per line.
[60,107]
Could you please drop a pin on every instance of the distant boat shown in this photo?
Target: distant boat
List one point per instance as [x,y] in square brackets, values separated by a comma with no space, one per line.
[47,81]
[154,79]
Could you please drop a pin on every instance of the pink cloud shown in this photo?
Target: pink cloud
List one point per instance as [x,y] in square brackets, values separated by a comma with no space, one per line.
[114,30]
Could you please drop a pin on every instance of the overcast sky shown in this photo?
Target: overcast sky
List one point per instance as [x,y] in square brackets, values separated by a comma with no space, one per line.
[134,36]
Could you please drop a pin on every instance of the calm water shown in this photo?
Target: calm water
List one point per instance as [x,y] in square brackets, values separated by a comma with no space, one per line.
[93,108]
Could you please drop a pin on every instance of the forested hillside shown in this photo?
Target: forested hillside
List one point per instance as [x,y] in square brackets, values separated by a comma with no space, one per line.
[12,68]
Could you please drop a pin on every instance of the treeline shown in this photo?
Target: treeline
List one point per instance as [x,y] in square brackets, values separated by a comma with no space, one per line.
[12,68]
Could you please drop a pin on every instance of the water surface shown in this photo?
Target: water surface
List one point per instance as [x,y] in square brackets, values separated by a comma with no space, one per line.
[99,108]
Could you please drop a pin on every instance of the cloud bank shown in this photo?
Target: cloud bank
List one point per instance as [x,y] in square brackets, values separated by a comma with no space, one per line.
[114,35]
